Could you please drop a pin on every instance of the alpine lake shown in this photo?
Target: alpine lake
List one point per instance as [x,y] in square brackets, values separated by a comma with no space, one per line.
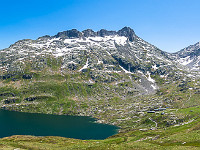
[79,127]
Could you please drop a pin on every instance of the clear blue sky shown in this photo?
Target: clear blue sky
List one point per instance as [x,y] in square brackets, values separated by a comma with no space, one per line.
[168,24]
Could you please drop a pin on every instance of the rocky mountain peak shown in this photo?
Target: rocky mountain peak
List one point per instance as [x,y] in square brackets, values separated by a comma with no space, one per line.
[69,34]
[127,32]
[89,33]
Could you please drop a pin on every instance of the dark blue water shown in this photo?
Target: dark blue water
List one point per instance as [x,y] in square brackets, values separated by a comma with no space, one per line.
[18,123]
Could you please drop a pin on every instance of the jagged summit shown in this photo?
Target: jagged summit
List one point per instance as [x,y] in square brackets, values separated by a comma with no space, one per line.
[127,32]
[74,33]
[69,34]
[89,33]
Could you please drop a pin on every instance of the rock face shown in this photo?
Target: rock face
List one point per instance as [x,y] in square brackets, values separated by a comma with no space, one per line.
[127,32]
[189,56]
[89,33]
[69,34]
[102,53]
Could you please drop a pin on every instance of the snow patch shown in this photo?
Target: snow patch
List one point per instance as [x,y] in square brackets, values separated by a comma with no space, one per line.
[85,66]
[155,67]
[108,53]
[149,77]
[154,87]
[120,40]
[99,62]
[126,71]
[185,61]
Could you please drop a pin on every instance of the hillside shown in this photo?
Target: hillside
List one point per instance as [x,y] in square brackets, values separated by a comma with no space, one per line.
[114,76]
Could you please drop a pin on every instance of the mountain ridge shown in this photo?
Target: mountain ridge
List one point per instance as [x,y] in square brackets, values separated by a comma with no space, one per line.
[125,31]
[114,76]
[189,56]
[111,48]
[74,33]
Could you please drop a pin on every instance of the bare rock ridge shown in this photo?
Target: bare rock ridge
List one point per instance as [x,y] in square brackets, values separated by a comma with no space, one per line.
[126,31]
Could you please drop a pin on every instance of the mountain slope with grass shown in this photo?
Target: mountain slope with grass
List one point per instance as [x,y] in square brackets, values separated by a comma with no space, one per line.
[114,76]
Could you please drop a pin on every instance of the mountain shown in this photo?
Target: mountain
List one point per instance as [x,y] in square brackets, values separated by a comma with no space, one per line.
[114,76]
[103,52]
[189,56]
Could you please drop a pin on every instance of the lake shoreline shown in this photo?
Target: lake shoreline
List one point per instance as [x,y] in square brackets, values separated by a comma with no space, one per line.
[86,123]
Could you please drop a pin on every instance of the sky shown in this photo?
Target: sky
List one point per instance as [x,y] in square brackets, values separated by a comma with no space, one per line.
[168,24]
